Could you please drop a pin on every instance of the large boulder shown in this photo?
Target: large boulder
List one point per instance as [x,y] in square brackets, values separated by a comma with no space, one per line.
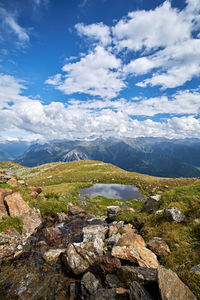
[128,274]
[78,257]
[173,215]
[158,246]
[132,247]
[171,287]
[17,207]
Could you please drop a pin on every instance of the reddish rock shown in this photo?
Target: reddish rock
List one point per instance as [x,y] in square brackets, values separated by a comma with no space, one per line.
[17,207]
[3,194]
[35,189]
[141,256]
[171,287]
[109,264]
[158,246]
[33,194]
[53,235]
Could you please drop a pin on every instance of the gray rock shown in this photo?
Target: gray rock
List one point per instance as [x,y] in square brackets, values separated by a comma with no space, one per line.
[112,281]
[89,284]
[104,294]
[112,212]
[128,274]
[151,204]
[173,215]
[195,269]
[137,292]
[95,234]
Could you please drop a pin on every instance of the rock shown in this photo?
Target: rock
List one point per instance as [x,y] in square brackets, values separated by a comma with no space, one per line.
[112,281]
[17,207]
[35,189]
[113,240]
[174,215]
[171,287]
[21,183]
[12,182]
[158,246]
[4,178]
[34,194]
[131,240]
[89,284]
[122,294]
[74,210]
[3,194]
[151,204]
[128,274]
[137,292]
[104,294]
[72,291]
[195,269]
[51,256]
[62,217]
[95,234]
[78,257]
[53,235]
[141,256]
[109,264]
[113,229]
[112,212]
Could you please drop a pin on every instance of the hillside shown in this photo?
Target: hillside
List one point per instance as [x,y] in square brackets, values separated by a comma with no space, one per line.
[157,157]
[60,183]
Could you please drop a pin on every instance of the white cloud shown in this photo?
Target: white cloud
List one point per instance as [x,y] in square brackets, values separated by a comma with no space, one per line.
[98,32]
[96,74]
[151,29]
[9,22]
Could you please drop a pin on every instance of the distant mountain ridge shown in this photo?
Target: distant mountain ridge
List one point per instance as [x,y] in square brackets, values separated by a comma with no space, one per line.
[153,156]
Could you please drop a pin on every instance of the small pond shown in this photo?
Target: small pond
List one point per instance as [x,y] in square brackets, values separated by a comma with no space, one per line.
[112,191]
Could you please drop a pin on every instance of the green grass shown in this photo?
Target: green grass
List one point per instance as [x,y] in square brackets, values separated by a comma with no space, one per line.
[11,222]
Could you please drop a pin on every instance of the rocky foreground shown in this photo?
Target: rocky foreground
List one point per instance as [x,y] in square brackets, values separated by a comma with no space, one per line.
[75,256]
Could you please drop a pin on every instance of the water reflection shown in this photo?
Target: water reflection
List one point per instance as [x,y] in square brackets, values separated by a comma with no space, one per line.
[112,191]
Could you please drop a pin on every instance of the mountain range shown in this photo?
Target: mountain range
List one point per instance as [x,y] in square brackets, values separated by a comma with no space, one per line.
[153,156]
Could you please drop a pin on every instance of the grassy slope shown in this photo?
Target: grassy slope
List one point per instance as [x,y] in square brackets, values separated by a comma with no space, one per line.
[61,182]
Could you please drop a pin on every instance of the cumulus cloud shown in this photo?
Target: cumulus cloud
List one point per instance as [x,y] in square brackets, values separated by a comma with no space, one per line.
[10,24]
[79,119]
[96,74]
[98,32]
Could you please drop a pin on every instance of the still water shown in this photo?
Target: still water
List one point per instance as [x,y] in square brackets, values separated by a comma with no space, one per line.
[112,191]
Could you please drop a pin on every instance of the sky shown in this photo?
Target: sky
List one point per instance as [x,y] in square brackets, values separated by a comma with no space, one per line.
[98,68]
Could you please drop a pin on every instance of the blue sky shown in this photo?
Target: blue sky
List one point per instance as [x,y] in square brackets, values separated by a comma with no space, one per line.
[85,68]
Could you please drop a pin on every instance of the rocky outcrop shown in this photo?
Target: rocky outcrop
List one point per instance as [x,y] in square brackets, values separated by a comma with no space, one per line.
[171,287]
[173,215]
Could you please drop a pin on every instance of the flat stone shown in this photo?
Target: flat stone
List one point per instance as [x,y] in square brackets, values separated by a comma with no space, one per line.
[171,287]
[131,240]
